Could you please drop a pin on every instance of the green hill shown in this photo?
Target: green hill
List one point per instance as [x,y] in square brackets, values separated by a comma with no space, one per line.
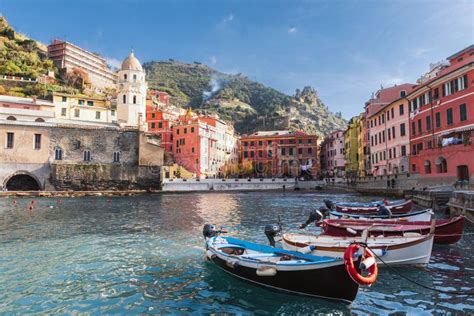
[248,104]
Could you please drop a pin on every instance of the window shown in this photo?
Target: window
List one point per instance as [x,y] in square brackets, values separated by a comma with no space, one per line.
[192,149]
[403,93]
[402,129]
[430,144]
[177,131]
[252,144]
[80,102]
[441,165]
[134,99]
[11,118]
[153,115]
[192,129]
[260,143]
[134,77]
[116,156]
[260,154]
[87,155]
[462,112]
[160,125]
[300,141]
[245,154]
[427,166]
[252,154]
[310,151]
[300,151]
[37,141]
[90,103]
[185,130]
[97,115]
[58,154]
[246,144]
[290,150]
[270,154]
[124,99]
[419,126]
[449,116]
[63,111]
[77,112]
[413,128]
[428,123]
[393,112]
[436,94]
[39,120]
[269,143]
[64,99]
[403,150]
[125,76]
[413,167]
[389,134]
[283,151]
[153,125]
[10,137]
[393,131]
[438,119]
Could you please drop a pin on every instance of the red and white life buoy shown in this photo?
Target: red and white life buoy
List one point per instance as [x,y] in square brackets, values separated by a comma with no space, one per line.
[369,261]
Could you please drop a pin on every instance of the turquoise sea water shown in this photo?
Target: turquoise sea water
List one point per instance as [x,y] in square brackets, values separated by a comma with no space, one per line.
[144,254]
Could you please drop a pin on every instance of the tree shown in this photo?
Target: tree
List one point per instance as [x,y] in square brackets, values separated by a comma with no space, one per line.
[78,78]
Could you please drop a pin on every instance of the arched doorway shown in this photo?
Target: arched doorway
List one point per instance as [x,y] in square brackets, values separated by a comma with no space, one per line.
[22,182]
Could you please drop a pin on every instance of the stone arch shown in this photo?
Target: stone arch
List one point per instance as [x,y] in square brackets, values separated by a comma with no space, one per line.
[22,181]
[11,118]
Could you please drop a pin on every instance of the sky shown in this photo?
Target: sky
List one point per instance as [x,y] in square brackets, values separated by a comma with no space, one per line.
[346,50]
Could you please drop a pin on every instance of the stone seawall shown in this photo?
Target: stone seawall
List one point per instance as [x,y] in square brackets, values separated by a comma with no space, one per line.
[98,177]
[183,185]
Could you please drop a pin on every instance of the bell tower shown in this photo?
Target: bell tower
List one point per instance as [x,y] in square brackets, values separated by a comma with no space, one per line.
[131,97]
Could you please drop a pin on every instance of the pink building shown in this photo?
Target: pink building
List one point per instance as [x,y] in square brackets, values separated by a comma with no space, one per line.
[332,155]
[387,130]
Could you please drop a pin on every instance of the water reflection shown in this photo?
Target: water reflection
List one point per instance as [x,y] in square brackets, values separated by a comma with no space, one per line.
[144,255]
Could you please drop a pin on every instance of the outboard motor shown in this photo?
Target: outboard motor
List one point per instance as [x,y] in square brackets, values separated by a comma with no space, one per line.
[329,204]
[383,210]
[271,231]
[209,231]
[314,216]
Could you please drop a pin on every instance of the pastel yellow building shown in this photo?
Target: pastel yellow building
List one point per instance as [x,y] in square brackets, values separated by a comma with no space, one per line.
[83,108]
[351,148]
[361,144]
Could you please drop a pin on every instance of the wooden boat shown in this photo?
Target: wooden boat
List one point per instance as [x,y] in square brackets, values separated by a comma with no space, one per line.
[447,231]
[410,249]
[371,203]
[423,215]
[400,208]
[280,269]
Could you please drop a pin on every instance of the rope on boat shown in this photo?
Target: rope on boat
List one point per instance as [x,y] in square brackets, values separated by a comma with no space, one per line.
[414,281]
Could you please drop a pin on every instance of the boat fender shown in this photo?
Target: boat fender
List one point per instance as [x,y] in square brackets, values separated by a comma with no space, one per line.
[210,255]
[307,249]
[266,271]
[372,271]
[367,263]
[352,231]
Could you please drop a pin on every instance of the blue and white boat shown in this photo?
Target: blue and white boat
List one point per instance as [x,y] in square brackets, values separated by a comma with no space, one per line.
[279,269]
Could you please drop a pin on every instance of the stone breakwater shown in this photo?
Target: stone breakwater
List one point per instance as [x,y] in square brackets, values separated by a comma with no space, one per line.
[74,193]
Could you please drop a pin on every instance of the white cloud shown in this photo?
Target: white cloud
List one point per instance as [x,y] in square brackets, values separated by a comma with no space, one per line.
[292,30]
[114,62]
[213,60]
[226,20]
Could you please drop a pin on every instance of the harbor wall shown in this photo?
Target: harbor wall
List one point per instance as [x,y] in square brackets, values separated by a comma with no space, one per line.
[187,185]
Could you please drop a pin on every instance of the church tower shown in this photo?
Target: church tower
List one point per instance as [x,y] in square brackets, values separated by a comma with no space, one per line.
[131,96]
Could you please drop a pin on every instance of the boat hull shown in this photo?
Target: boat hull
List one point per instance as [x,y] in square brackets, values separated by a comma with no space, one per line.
[401,208]
[417,252]
[332,282]
[419,216]
[446,231]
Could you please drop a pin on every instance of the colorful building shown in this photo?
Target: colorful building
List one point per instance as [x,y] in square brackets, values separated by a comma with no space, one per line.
[361,145]
[83,108]
[386,116]
[442,121]
[281,153]
[351,148]
[333,164]
[67,56]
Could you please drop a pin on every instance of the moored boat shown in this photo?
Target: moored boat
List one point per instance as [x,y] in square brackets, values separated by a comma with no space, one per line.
[371,203]
[447,231]
[421,215]
[403,207]
[280,269]
[410,249]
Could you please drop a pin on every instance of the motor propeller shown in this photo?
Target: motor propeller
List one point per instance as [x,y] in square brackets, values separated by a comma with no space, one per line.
[329,204]
[383,210]
[315,216]
[271,231]
[210,230]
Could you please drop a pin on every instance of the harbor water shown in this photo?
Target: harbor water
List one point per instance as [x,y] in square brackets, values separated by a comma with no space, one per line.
[144,254]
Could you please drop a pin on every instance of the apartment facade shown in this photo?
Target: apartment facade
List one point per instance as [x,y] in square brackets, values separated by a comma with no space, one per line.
[281,153]
[332,155]
[68,56]
[387,114]
[84,108]
[442,121]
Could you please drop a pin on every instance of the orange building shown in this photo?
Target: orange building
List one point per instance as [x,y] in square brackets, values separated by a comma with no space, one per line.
[281,153]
